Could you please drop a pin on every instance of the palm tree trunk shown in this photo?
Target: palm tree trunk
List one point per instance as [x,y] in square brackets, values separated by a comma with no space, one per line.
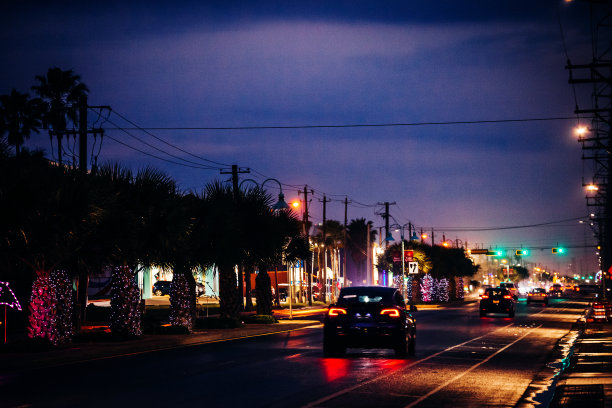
[229,304]
[263,287]
[248,289]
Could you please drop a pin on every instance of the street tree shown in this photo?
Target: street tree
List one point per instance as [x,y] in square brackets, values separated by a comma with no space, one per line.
[61,91]
[20,116]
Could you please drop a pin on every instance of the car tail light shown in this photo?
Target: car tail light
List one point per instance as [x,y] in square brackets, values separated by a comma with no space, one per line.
[390,312]
[507,297]
[484,297]
[336,311]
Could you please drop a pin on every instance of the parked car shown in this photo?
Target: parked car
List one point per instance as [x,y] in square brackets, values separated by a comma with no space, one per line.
[369,317]
[161,288]
[496,300]
[537,295]
[510,287]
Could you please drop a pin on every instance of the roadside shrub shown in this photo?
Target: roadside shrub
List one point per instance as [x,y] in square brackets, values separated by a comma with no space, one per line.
[260,319]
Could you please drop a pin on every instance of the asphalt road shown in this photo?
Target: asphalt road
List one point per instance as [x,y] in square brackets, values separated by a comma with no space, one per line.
[462,360]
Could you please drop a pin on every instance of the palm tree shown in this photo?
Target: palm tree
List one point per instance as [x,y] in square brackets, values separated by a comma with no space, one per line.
[357,237]
[334,231]
[19,117]
[222,244]
[61,91]
[45,215]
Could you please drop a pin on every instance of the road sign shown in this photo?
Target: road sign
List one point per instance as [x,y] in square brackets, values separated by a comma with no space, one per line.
[413,267]
[478,251]
[408,255]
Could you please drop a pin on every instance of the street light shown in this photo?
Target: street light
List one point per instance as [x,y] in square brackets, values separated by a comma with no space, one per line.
[281,204]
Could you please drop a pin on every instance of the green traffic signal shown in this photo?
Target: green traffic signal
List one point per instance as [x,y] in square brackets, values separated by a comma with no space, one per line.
[522,252]
[558,250]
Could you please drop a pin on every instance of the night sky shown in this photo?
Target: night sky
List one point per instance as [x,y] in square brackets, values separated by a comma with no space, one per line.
[194,65]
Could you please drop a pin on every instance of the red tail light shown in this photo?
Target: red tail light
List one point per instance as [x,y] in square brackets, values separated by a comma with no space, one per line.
[390,312]
[336,311]
[484,296]
[507,297]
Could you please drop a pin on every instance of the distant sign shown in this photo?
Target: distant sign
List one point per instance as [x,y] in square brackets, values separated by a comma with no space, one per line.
[413,267]
[408,255]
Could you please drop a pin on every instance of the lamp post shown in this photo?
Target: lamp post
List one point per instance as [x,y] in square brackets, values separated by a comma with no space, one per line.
[389,238]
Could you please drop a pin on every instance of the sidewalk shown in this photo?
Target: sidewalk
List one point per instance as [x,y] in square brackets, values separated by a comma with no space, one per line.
[588,380]
[82,351]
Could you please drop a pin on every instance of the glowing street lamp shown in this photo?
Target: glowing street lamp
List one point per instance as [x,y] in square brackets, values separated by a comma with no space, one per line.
[580,131]
[591,187]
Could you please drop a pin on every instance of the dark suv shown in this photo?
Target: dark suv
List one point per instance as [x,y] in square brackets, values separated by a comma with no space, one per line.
[496,300]
[161,288]
[369,317]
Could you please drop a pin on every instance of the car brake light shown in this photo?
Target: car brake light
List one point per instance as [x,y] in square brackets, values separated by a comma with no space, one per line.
[336,311]
[507,297]
[484,297]
[390,312]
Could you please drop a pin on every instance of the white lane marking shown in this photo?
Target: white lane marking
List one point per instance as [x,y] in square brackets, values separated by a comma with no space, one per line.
[458,376]
[354,387]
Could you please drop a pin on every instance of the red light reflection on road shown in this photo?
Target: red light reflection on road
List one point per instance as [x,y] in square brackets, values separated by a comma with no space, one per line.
[334,368]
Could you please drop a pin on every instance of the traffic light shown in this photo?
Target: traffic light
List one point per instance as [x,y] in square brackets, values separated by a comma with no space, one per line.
[522,252]
[494,253]
[558,251]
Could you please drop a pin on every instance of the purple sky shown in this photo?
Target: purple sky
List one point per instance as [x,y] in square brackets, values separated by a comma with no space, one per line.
[264,63]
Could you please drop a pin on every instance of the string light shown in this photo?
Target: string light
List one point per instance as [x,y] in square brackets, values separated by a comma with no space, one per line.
[125,314]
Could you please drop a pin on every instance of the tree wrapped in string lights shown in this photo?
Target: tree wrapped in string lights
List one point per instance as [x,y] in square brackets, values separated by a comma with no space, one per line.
[43,307]
[441,294]
[460,293]
[64,305]
[126,314]
[427,284]
[182,300]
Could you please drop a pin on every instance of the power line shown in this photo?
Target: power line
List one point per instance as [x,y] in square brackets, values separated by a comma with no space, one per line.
[146,130]
[476,229]
[360,125]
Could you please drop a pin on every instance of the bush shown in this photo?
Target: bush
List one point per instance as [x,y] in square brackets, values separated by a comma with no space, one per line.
[260,319]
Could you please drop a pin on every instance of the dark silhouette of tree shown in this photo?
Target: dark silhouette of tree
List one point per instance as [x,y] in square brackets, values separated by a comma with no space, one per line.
[61,91]
[20,116]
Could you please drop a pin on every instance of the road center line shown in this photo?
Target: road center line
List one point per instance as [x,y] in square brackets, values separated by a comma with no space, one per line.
[371,380]
[435,390]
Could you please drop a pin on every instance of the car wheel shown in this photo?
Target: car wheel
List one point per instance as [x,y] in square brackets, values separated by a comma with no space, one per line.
[157,292]
[332,349]
[401,349]
[511,314]
[412,346]
[546,303]
[483,313]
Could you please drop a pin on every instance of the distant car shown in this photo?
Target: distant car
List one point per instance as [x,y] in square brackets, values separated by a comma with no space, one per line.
[556,290]
[496,300]
[369,317]
[510,287]
[161,288]
[483,288]
[537,295]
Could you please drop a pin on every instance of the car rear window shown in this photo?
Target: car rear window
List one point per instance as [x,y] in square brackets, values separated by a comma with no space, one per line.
[359,295]
[497,292]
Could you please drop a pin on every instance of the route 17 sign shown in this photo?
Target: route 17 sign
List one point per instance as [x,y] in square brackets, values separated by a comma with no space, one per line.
[413,267]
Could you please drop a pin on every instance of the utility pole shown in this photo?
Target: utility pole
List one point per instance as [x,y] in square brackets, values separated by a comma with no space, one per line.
[235,171]
[433,241]
[83,134]
[307,234]
[345,225]
[324,270]
[369,273]
[385,215]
